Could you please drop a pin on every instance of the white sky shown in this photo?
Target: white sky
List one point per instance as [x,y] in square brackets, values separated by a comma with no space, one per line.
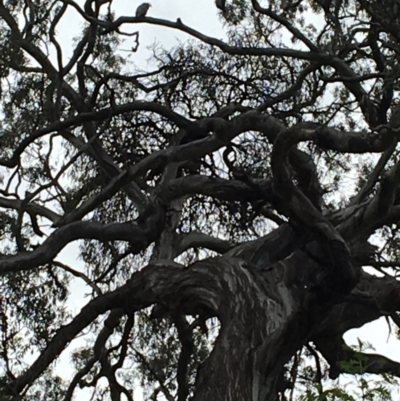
[202,16]
[205,19]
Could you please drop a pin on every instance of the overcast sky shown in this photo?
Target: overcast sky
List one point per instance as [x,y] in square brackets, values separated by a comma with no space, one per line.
[202,16]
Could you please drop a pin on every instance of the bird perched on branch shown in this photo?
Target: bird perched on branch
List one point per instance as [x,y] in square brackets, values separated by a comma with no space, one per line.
[142,10]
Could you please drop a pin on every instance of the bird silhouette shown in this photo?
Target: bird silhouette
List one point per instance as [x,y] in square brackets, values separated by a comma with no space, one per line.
[142,10]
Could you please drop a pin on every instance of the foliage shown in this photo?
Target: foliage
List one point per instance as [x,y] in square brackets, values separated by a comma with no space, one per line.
[234,187]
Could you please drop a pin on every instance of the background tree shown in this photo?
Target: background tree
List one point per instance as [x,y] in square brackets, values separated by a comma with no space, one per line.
[230,190]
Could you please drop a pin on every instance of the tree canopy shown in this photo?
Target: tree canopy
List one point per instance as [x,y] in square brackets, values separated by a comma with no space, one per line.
[235,204]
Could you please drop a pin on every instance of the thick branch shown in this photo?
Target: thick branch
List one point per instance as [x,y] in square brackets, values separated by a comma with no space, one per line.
[99,115]
[31,208]
[150,285]
[201,240]
[343,359]
[138,237]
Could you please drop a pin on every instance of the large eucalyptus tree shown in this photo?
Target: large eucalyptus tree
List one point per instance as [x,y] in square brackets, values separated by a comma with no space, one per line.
[236,187]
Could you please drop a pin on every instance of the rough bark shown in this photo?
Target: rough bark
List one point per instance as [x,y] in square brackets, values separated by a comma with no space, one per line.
[302,282]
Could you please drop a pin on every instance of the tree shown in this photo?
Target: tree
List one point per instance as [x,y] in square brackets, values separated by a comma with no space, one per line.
[240,186]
